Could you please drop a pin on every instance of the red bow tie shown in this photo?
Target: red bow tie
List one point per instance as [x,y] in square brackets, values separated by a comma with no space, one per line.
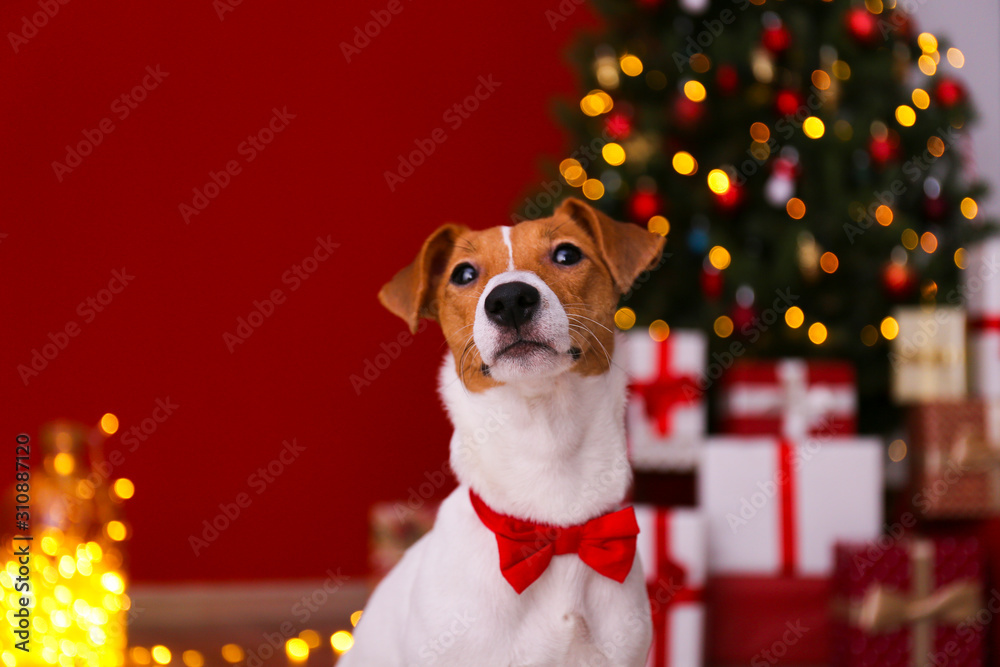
[606,544]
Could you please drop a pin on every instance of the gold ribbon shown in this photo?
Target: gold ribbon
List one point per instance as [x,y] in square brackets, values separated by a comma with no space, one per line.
[975,455]
[883,609]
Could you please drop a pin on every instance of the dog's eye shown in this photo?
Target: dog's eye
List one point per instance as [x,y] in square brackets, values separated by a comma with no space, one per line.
[566,254]
[463,274]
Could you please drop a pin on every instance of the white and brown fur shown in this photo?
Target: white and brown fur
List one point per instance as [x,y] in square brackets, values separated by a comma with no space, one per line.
[539,435]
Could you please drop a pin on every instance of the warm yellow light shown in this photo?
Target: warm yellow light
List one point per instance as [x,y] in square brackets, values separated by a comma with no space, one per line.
[341,641]
[920,98]
[67,566]
[684,163]
[124,488]
[719,257]
[113,582]
[909,239]
[297,649]
[63,463]
[961,258]
[659,331]
[723,326]
[897,451]
[593,189]
[841,70]
[829,262]
[884,215]
[49,545]
[575,176]
[874,6]
[718,181]
[625,318]
[889,328]
[969,208]
[8,659]
[613,153]
[311,638]
[193,658]
[232,653]
[813,127]
[658,225]
[956,58]
[927,42]
[935,146]
[760,151]
[927,65]
[869,335]
[355,617]
[821,79]
[116,530]
[109,423]
[694,91]
[567,164]
[796,208]
[817,333]
[905,115]
[928,242]
[161,654]
[596,102]
[794,317]
[760,132]
[630,65]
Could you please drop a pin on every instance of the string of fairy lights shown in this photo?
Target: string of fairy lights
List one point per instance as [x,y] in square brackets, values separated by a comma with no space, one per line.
[609,68]
[80,608]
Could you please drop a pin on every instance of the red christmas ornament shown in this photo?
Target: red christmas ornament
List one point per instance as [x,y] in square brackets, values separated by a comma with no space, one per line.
[731,199]
[711,283]
[743,317]
[776,39]
[618,125]
[727,80]
[787,102]
[882,151]
[687,114]
[862,26]
[643,205]
[899,280]
[949,92]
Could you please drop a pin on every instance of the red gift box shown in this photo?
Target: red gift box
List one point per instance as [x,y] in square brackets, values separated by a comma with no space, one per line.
[909,603]
[671,546]
[794,398]
[768,620]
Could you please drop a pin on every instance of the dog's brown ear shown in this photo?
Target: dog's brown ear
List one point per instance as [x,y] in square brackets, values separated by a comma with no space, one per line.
[627,249]
[408,294]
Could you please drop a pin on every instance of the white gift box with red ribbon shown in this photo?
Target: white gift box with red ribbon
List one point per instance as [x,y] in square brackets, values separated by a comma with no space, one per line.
[666,414]
[776,507]
[981,287]
[928,355]
[793,398]
[672,547]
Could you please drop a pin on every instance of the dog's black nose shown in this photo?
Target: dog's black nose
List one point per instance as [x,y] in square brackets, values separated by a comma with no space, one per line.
[511,304]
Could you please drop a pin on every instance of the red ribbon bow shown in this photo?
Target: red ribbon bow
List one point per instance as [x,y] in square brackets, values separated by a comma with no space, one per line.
[605,543]
[666,391]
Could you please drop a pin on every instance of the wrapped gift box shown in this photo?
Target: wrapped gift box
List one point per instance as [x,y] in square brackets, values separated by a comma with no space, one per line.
[793,398]
[393,528]
[909,602]
[768,620]
[671,545]
[928,355]
[774,507]
[956,458]
[982,293]
[666,413]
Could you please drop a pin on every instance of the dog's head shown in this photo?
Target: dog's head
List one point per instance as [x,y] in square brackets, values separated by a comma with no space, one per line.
[530,301]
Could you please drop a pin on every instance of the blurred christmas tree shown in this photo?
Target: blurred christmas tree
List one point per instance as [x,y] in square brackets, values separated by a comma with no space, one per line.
[806,160]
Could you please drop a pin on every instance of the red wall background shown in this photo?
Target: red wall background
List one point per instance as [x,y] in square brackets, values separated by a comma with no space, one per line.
[322,176]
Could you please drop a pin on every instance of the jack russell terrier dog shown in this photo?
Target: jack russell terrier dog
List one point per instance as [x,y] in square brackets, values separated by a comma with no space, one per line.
[530,561]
